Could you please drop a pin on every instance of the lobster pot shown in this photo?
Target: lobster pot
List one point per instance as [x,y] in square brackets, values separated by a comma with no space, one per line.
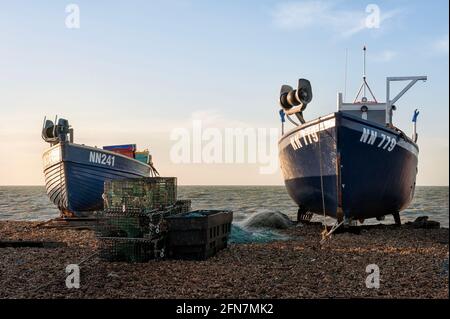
[135,222]
[130,249]
[132,223]
[146,192]
[183,206]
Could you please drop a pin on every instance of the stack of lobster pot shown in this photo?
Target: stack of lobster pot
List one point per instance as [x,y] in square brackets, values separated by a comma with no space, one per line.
[132,226]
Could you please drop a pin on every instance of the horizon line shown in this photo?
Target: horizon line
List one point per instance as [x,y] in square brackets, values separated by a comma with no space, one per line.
[253,185]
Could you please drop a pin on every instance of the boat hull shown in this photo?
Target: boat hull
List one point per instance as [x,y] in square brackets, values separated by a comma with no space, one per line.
[75,175]
[367,170]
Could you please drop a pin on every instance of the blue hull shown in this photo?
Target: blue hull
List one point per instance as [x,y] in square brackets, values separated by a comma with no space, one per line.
[368,170]
[75,175]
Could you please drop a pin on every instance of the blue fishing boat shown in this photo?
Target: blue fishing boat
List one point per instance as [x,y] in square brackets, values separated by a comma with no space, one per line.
[352,164]
[75,173]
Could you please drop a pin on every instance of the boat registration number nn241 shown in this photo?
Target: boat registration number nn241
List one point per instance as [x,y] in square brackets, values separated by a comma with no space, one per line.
[102,159]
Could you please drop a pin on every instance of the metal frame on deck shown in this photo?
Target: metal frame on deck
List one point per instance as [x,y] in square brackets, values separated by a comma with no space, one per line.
[374,106]
[390,102]
[361,102]
[387,106]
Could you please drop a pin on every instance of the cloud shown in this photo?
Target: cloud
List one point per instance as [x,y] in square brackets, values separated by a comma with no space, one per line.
[326,15]
[441,45]
[301,15]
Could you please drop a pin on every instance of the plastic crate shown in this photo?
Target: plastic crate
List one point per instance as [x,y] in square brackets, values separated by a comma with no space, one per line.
[145,192]
[131,249]
[198,234]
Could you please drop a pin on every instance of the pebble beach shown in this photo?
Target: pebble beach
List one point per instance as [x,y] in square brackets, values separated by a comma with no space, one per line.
[413,263]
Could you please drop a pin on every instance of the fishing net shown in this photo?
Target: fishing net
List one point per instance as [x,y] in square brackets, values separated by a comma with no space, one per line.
[259,228]
[241,235]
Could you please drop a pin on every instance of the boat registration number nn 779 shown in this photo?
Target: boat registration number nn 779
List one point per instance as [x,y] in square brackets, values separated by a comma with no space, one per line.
[382,141]
[102,159]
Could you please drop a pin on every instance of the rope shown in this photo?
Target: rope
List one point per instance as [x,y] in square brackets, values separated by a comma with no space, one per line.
[321,181]
[291,120]
[325,233]
[44,223]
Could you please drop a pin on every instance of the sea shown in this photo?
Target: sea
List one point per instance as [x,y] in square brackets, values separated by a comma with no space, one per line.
[30,203]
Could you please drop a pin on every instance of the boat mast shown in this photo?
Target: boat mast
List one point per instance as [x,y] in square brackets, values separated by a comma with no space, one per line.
[364,85]
[380,112]
[345,73]
[364,71]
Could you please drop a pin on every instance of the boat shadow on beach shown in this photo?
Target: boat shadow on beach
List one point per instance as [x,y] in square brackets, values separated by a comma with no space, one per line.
[421,222]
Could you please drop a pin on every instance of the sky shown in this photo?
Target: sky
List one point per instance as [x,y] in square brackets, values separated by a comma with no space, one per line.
[134,71]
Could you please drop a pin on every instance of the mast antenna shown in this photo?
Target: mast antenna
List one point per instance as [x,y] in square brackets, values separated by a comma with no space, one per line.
[364,69]
[364,85]
[345,73]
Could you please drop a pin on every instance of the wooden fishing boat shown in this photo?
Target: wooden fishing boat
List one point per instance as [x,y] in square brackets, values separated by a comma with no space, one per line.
[75,173]
[352,164]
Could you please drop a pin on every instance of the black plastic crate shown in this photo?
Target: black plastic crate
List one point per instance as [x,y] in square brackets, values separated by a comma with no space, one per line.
[131,250]
[145,192]
[198,234]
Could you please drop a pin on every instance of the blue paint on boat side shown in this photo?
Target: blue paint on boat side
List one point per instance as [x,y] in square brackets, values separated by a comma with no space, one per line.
[377,181]
[75,175]
[368,169]
[301,167]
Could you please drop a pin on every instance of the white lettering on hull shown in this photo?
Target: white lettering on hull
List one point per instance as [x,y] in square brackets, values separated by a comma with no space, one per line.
[309,135]
[370,136]
[102,159]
